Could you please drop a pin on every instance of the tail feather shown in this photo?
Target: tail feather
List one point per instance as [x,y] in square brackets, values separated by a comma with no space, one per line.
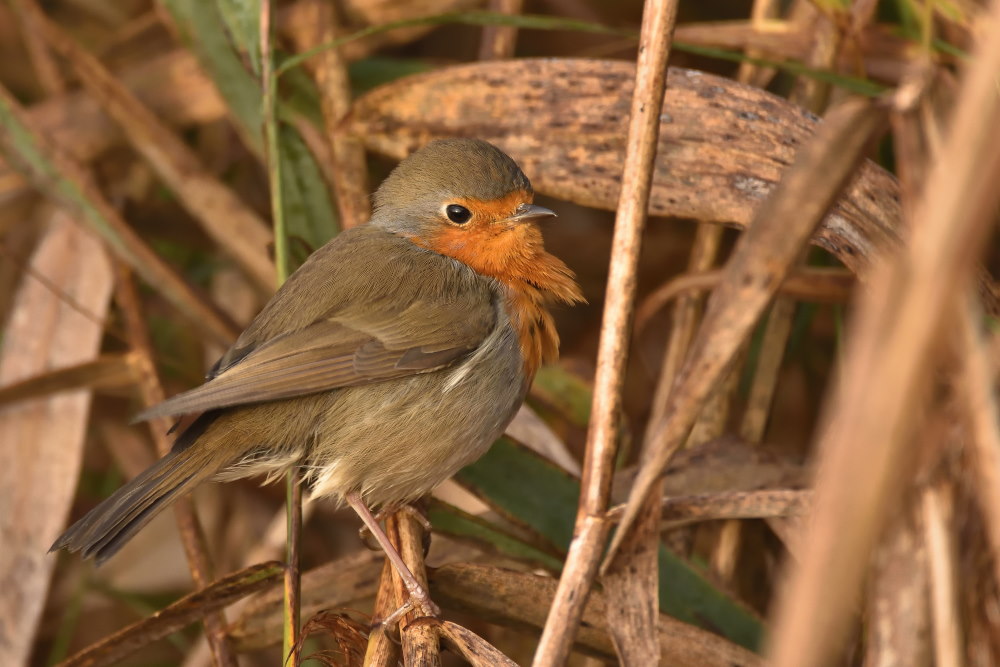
[106,528]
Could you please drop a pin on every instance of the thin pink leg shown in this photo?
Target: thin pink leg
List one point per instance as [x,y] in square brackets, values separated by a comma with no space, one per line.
[417,593]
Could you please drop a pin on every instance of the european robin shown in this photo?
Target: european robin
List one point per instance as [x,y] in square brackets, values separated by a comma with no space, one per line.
[395,355]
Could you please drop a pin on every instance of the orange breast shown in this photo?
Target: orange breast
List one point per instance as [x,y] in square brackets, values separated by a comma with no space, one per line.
[534,279]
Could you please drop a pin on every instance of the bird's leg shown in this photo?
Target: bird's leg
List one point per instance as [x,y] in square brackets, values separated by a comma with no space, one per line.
[417,593]
[380,516]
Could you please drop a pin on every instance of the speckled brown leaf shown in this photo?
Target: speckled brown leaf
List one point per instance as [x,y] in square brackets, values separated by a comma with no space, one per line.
[722,148]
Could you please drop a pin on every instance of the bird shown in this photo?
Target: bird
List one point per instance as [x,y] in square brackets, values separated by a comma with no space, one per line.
[395,355]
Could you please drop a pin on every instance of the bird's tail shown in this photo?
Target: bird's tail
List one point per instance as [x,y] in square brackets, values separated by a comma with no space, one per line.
[106,528]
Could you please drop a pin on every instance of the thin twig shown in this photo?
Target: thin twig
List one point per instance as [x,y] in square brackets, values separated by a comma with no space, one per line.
[152,393]
[979,405]
[591,527]
[499,41]
[937,505]
[347,153]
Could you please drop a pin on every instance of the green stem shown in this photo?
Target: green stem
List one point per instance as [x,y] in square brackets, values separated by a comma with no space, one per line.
[293,498]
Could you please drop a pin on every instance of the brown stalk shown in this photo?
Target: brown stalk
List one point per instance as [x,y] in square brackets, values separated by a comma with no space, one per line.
[151,391]
[421,645]
[42,61]
[895,331]
[814,96]
[317,23]
[499,41]
[476,650]
[234,226]
[172,618]
[762,258]
[680,510]
[107,371]
[762,12]
[382,650]
[937,503]
[591,527]
[824,285]
[979,407]
[898,631]
[633,600]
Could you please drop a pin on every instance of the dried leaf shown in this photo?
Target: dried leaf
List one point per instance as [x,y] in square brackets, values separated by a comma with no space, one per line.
[65,181]
[43,438]
[234,226]
[518,599]
[476,650]
[188,609]
[722,145]
[171,85]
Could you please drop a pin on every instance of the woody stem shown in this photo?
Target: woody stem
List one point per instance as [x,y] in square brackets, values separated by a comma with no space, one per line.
[413,587]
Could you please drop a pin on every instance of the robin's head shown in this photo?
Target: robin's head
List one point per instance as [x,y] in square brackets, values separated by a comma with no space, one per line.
[466,199]
[460,187]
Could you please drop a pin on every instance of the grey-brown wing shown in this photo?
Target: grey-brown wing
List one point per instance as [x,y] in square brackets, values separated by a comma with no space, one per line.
[403,312]
[326,355]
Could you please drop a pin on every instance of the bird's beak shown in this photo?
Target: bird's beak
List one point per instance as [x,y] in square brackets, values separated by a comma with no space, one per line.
[526,212]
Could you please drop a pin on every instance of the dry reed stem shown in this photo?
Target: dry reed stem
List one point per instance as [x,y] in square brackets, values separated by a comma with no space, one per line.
[762,258]
[318,24]
[42,61]
[591,527]
[895,331]
[500,41]
[107,371]
[898,631]
[979,407]
[676,511]
[382,649]
[937,504]
[235,227]
[151,391]
[765,379]
[421,645]
[633,600]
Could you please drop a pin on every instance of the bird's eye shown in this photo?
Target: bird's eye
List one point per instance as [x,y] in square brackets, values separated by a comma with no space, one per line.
[458,214]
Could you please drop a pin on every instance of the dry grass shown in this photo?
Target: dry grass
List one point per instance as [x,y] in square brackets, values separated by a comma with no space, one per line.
[773,438]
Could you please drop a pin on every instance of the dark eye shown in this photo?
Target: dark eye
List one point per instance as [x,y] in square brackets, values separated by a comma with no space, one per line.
[458,214]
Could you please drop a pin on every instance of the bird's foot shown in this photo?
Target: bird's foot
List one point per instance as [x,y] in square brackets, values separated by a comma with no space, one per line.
[418,600]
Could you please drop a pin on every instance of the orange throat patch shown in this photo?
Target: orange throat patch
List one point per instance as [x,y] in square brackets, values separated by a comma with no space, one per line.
[515,256]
